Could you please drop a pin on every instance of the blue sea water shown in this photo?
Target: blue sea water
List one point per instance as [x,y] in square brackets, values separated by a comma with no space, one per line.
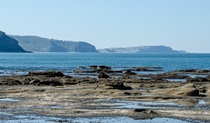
[70,61]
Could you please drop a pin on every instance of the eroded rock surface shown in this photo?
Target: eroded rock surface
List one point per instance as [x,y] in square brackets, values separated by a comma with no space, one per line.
[55,94]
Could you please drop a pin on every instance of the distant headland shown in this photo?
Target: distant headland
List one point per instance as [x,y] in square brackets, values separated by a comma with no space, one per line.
[39,44]
[8,44]
[161,49]
[14,43]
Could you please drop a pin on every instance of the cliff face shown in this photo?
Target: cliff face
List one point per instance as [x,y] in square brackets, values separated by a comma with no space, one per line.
[8,44]
[38,44]
[141,49]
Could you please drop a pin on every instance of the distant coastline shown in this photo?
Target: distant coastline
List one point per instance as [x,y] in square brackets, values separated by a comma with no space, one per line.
[157,49]
[35,44]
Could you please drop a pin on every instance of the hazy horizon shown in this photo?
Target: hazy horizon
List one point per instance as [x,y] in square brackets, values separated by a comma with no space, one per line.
[182,25]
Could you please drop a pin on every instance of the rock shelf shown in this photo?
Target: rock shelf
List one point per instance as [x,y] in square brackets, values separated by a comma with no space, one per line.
[52,93]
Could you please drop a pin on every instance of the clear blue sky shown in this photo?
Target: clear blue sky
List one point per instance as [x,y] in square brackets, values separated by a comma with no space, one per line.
[181,24]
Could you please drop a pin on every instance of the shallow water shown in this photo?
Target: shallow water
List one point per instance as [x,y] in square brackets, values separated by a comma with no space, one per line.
[201,102]
[196,75]
[8,100]
[122,104]
[149,105]
[176,80]
[8,118]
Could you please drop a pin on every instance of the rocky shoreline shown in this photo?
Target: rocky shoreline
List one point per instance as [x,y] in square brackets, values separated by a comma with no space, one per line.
[108,93]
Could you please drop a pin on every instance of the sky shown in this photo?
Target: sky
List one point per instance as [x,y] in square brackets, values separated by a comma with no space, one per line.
[180,24]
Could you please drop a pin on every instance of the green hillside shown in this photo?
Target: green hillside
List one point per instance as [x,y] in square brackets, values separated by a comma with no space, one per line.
[39,44]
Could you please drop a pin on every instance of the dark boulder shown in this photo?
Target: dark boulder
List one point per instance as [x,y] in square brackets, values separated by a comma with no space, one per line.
[112,71]
[117,85]
[129,72]
[140,110]
[194,92]
[51,83]
[141,69]
[132,93]
[103,75]
[187,70]
[47,73]
[197,79]
[201,79]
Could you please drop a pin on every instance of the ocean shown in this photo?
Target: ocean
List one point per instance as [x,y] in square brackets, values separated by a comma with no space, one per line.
[22,62]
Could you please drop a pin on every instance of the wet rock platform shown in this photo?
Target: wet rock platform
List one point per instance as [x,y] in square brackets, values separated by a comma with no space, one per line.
[55,94]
